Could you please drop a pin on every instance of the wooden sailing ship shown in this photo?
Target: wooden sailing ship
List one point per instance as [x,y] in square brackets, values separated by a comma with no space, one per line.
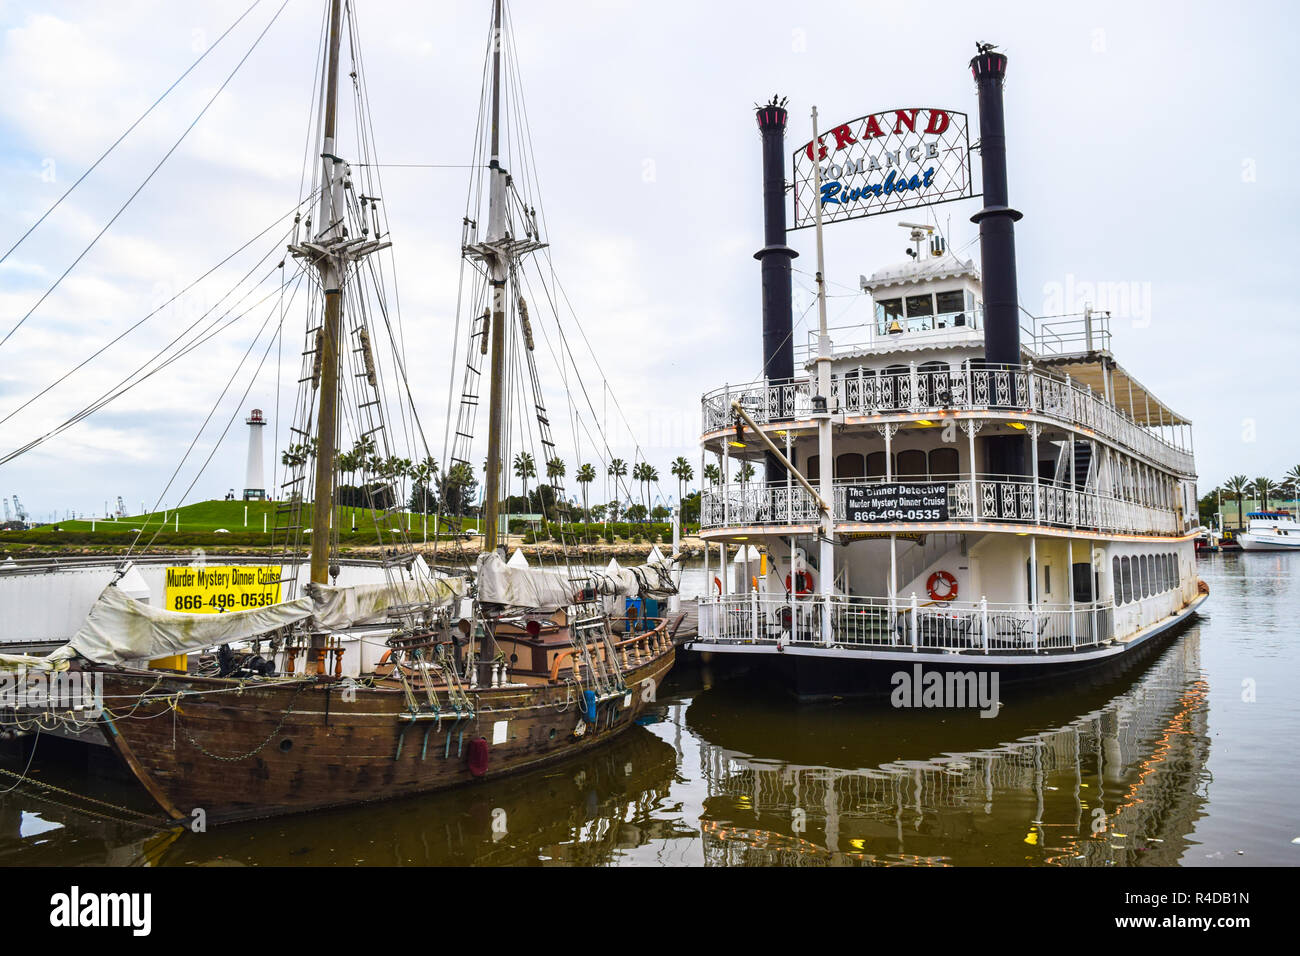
[491,671]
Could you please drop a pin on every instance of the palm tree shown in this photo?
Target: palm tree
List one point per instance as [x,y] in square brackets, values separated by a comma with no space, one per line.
[585,475]
[347,463]
[1236,486]
[616,470]
[712,474]
[1264,487]
[746,472]
[684,472]
[555,471]
[645,473]
[422,474]
[457,484]
[1292,480]
[525,468]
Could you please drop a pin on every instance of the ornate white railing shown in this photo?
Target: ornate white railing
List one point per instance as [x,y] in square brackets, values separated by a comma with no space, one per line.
[958,388]
[908,624]
[995,500]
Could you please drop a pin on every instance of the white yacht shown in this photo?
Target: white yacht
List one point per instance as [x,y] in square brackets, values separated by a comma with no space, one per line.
[942,486]
[1270,531]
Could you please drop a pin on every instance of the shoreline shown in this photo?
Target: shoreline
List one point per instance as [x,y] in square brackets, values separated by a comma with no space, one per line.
[448,552]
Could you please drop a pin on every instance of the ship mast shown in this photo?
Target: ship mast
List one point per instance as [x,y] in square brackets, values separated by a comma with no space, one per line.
[498,252]
[333,171]
[498,267]
[331,252]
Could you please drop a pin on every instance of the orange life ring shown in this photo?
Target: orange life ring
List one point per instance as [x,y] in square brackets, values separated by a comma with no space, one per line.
[718,583]
[803,583]
[949,583]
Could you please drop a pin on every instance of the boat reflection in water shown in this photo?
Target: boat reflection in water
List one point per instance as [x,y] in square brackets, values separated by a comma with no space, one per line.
[584,811]
[1122,784]
[1111,773]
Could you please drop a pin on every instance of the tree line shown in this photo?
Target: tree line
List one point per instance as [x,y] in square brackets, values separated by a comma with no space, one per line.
[455,491]
[1239,487]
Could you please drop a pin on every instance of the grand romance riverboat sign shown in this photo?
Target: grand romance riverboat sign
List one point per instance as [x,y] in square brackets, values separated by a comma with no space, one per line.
[884,162]
[888,503]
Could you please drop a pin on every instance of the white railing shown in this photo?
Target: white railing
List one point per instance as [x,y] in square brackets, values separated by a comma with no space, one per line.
[907,624]
[1022,388]
[995,500]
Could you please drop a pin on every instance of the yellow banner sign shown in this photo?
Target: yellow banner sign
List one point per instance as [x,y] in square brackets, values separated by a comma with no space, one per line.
[216,589]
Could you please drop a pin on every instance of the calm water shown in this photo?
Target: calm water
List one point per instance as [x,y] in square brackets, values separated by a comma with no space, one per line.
[1188,761]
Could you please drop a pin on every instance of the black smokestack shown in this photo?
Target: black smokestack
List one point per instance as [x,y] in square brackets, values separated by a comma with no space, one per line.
[778,309]
[1006,454]
[778,312]
[997,219]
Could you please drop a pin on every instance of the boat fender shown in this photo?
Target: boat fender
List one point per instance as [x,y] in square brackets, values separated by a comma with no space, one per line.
[942,586]
[478,756]
[589,705]
[803,583]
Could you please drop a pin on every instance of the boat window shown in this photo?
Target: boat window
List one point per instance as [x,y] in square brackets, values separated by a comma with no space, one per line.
[1115,576]
[949,302]
[813,469]
[889,309]
[889,315]
[943,463]
[876,465]
[1127,575]
[920,305]
[850,465]
[1146,576]
[1047,579]
[911,464]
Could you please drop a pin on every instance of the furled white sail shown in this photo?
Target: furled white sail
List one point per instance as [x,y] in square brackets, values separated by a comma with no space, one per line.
[364,603]
[522,587]
[536,589]
[119,628]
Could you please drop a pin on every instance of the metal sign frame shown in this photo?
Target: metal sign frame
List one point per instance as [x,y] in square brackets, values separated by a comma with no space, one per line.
[862,185]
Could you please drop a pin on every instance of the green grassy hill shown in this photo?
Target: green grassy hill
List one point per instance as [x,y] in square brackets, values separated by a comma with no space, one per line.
[210,522]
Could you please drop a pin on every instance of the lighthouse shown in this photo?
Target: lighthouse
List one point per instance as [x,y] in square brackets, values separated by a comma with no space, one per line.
[253,483]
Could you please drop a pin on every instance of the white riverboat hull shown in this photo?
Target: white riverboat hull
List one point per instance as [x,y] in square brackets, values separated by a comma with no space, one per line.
[816,671]
[1268,542]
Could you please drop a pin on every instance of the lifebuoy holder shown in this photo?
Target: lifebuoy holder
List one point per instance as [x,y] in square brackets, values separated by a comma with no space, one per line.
[945,580]
[802,581]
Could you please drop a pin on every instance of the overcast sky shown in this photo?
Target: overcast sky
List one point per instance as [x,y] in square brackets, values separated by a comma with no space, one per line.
[1152,149]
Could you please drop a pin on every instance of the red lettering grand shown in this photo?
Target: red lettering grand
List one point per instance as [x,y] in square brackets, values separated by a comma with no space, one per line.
[938,121]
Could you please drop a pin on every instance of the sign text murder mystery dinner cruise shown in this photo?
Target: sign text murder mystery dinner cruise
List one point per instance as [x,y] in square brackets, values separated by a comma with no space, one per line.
[883,162]
[872,504]
[215,589]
